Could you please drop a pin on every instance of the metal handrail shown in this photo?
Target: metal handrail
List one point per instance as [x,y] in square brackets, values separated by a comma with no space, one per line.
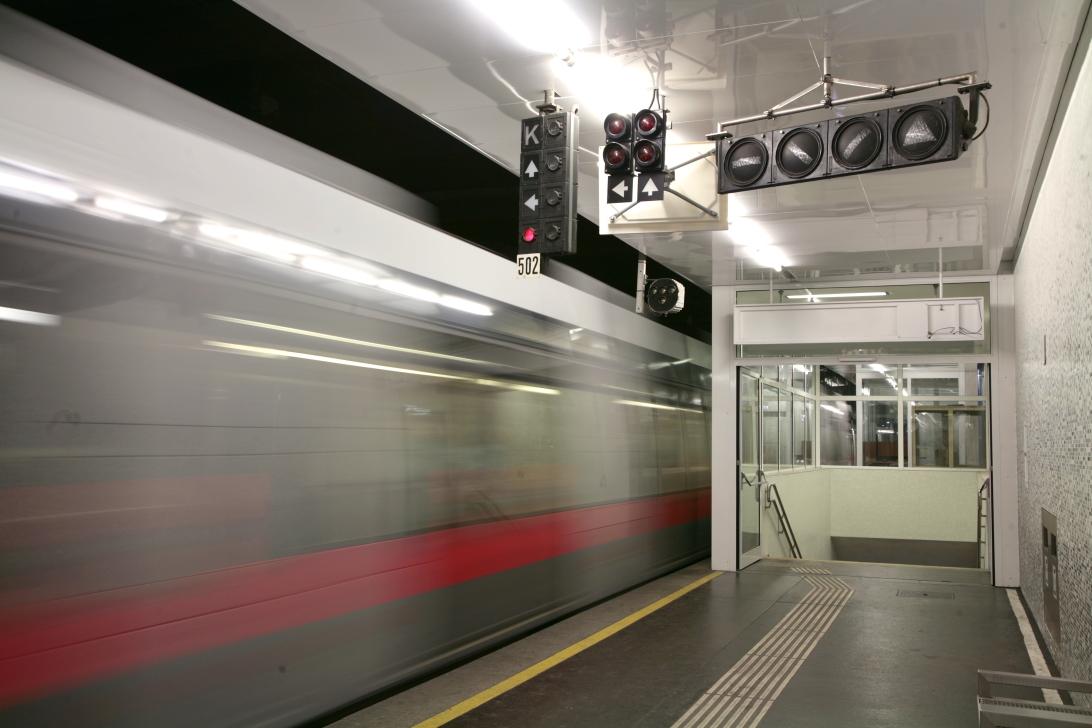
[782,518]
[983,497]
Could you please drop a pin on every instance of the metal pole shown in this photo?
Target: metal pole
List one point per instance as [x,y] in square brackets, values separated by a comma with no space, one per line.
[624,211]
[703,208]
[828,84]
[827,102]
[940,251]
[642,279]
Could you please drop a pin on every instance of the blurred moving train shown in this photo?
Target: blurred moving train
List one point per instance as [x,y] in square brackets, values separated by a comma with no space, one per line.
[235,491]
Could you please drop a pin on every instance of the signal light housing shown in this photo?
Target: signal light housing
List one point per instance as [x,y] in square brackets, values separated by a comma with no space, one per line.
[650,133]
[926,132]
[800,153]
[743,163]
[548,185]
[858,144]
[664,296]
[617,158]
[902,136]
[618,127]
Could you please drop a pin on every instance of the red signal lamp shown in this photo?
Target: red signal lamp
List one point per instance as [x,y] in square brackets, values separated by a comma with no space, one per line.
[646,153]
[529,235]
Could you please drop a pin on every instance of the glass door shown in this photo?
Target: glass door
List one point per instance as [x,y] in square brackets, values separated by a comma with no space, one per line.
[750,459]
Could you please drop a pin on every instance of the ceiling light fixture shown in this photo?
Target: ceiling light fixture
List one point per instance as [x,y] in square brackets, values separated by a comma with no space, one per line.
[548,29]
[840,295]
[835,410]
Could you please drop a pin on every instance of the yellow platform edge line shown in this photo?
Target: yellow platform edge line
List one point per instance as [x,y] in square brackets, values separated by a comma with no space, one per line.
[540,667]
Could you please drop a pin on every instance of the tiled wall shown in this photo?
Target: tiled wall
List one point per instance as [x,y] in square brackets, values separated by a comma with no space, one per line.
[1053,299]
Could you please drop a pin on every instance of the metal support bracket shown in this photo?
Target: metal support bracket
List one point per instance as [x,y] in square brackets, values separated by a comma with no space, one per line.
[642,281]
[827,82]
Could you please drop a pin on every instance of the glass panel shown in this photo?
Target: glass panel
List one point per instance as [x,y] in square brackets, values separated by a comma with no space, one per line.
[770,427]
[878,387]
[838,433]
[938,387]
[801,433]
[769,372]
[809,449]
[784,419]
[750,506]
[784,375]
[809,378]
[837,381]
[798,371]
[929,437]
[879,434]
[969,437]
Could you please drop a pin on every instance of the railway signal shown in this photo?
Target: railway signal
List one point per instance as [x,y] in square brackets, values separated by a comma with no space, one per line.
[548,159]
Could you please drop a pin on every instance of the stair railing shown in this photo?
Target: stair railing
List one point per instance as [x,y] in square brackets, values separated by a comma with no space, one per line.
[773,498]
[983,504]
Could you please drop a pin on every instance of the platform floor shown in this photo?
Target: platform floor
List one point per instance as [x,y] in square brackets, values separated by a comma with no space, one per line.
[779,644]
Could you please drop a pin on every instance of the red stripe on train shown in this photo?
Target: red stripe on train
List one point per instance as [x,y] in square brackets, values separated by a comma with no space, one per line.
[63,644]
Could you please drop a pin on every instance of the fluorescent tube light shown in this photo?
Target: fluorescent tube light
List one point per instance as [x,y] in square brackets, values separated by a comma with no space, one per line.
[840,295]
[885,432]
[19,316]
[132,209]
[835,410]
[38,187]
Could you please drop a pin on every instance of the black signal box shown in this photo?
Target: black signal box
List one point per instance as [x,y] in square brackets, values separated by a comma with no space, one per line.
[899,136]
[547,207]
[858,144]
[799,153]
[743,163]
[931,131]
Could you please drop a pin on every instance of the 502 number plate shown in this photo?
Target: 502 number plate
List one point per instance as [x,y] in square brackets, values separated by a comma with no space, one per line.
[529,266]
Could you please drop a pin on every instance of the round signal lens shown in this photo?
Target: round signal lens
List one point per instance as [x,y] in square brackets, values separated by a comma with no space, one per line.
[648,123]
[921,132]
[529,235]
[857,143]
[615,156]
[799,152]
[646,153]
[745,162]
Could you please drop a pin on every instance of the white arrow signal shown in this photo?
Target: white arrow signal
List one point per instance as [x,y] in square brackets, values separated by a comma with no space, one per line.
[650,188]
[532,202]
[532,170]
[620,189]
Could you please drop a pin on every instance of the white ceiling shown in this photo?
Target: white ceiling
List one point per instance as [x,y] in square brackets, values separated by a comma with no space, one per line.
[451,63]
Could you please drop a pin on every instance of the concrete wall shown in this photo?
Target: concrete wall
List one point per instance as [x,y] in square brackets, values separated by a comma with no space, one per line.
[932,505]
[806,496]
[1053,303]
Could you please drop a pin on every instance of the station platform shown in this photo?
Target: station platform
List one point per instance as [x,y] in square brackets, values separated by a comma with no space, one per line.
[782,643]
